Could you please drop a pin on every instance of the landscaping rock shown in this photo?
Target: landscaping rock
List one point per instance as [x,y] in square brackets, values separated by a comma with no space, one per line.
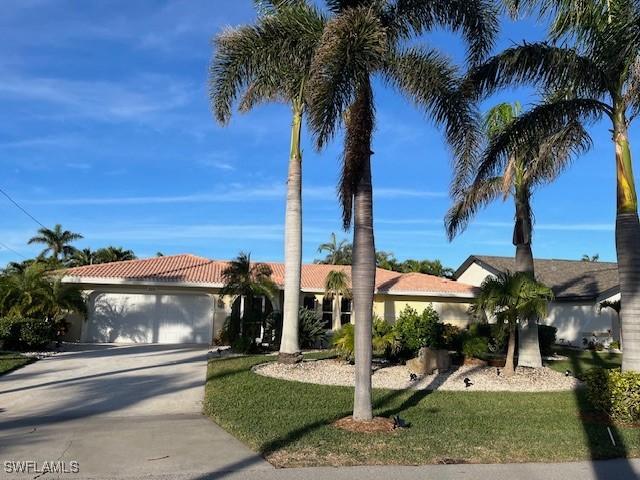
[428,361]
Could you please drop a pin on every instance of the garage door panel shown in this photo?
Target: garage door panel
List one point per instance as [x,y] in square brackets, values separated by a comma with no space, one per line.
[150,318]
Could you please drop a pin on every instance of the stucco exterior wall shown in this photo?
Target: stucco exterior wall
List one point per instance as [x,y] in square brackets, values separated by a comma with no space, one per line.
[474,275]
[451,310]
[578,320]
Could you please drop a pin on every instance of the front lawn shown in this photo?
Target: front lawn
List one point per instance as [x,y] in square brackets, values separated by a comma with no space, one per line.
[10,361]
[579,361]
[289,423]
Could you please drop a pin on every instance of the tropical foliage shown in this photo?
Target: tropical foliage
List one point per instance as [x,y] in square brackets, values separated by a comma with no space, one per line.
[336,287]
[338,252]
[57,242]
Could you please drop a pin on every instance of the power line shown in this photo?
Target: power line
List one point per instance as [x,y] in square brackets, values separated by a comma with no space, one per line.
[11,250]
[21,208]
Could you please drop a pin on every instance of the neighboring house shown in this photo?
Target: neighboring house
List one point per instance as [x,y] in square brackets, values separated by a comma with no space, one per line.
[175,299]
[579,287]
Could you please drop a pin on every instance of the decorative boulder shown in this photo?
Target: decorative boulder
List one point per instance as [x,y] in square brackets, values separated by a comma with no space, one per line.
[428,361]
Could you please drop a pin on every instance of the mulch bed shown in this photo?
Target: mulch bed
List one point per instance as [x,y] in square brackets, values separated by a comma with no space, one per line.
[377,425]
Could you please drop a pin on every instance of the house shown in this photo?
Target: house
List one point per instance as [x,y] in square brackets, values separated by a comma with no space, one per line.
[176,299]
[578,286]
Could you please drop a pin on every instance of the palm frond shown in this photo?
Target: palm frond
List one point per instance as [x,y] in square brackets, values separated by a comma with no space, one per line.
[353,46]
[538,63]
[432,83]
[543,121]
[477,196]
[477,20]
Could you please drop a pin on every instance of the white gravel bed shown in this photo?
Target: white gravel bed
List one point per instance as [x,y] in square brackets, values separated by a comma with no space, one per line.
[336,372]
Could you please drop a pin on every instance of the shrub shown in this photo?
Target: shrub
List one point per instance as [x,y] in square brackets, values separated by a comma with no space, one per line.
[243,345]
[615,393]
[311,329]
[615,345]
[384,342]
[342,342]
[415,331]
[26,333]
[546,339]
[453,337]
[476,347]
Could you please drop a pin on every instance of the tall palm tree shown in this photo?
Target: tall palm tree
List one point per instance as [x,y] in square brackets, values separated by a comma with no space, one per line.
[247,281]
[537,164]
[593,62]
[113,254]
[270,61]
[336,287]
[57,241]
[366,38]
[509,296]
[338,252]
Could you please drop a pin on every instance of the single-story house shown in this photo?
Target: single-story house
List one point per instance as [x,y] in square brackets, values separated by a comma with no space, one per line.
[176,299]
[578,286]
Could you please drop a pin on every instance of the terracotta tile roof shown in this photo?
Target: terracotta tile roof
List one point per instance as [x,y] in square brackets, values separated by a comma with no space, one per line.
[569,279]
[199,270]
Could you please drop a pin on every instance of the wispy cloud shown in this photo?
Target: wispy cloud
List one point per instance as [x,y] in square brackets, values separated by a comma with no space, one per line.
[45,141]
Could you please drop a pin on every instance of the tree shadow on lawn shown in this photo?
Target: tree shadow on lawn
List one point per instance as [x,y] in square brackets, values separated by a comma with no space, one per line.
[596,429]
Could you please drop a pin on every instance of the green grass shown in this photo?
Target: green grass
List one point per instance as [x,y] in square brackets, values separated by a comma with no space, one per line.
[290,423]
[10,361]
[579,361]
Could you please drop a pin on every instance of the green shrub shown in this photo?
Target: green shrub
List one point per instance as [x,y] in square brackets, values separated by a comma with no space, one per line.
[311,329]
[546,339]
[384,342]
[453,337]
[243,345]
[615,393]
[415,331]
[26,333]
[475,347]
[615,345]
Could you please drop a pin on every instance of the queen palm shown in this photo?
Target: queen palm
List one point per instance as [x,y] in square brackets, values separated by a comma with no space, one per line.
[336,287]
[113,254]
[57,241]
[510,296]
[270,61]
[364,39]
[533,165]
[86,256]
[338,252]
[599,76]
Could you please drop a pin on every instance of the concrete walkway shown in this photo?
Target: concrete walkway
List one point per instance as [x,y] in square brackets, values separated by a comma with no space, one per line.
[119,411]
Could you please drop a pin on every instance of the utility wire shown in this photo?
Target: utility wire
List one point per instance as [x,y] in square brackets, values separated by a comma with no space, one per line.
[21,208]
[11,250]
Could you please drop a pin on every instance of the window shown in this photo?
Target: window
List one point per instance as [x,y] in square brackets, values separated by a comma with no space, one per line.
[309,303]
[345,311]
[327,311]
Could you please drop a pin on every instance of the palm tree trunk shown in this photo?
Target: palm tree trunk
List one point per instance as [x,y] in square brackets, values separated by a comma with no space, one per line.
[337,322]
[289,346]
[509,365]
[363,273]
[528,342]
[627,248]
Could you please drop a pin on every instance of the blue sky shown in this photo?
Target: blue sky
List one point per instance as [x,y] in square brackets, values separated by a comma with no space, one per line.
[106,129]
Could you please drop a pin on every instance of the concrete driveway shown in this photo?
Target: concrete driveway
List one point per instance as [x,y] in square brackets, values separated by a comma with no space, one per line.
[119,411]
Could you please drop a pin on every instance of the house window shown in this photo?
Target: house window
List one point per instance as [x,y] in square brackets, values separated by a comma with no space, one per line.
[327,311]
[345,311]
[309,303]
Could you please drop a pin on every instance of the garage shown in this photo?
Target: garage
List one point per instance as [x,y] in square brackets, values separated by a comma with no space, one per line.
[149,317]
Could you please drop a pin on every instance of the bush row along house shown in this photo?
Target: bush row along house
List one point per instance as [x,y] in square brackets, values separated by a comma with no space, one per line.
[176,299]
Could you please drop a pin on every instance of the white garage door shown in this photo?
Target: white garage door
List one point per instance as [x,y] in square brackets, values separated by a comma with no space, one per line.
[150,318]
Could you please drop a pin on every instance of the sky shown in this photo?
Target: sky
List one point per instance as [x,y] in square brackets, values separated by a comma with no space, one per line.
[106,129]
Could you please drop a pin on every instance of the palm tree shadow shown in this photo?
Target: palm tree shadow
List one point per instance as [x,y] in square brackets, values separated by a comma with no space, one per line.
[596,431]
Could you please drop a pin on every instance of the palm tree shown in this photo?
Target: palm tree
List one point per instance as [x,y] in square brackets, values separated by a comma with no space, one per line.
[336,286]
[79,258]
[597,76]
[540,164]
[590,258]
[266,62]
[363,39]
[57,241]
[113,254]
[338,253]
[509,296]
[247,281]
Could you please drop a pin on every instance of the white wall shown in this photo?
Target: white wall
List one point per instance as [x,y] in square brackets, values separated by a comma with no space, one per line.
[577,320]
[474,275]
